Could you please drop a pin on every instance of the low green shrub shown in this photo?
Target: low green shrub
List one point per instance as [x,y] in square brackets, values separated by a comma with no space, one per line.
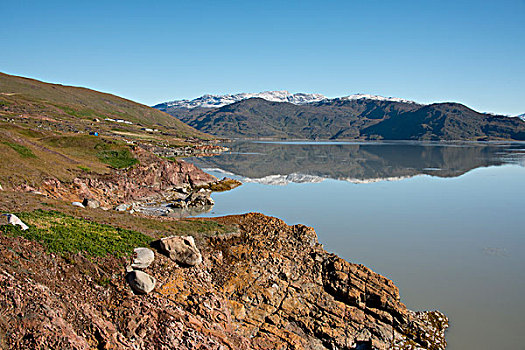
[22,150]
[61,233]
[117,158]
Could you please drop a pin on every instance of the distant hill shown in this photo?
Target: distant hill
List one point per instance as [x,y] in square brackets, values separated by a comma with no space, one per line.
[362,117]
[75,106]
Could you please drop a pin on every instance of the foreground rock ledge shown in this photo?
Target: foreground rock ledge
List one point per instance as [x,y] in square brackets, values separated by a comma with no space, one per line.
[268,286]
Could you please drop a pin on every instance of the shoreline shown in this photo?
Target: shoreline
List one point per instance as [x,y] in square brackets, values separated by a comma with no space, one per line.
[273,284]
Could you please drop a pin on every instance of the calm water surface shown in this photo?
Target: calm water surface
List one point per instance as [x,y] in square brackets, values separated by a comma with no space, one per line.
[444,222]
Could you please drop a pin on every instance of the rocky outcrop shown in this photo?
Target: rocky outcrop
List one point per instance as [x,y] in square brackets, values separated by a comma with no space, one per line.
[266,286]
[123,207]
[181,249]
[363,290]
[153,179]
[284,286]
[199,198]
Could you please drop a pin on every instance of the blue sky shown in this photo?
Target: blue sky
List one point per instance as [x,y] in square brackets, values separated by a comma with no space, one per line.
[426,50]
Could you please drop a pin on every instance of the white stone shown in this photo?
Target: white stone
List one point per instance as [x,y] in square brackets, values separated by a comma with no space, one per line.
[141,282]
[143,258]
[14,220]
[122,207]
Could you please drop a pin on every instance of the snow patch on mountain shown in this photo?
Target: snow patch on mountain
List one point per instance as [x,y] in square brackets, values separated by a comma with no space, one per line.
[215,101]
[521,116]
[375,98]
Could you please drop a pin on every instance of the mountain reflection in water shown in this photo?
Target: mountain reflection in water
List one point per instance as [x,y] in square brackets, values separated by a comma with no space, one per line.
[449,242]
[281,163]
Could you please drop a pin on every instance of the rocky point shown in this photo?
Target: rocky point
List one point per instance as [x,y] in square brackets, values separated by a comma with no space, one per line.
[266,285]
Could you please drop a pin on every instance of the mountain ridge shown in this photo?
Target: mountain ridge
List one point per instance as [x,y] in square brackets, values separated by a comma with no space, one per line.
[350,119]
[216,101]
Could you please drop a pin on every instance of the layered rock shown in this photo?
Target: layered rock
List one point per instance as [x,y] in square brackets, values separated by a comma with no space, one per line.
[284,286]
[153,179]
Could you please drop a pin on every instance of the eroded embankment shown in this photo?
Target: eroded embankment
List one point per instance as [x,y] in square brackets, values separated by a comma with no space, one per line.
[153,178]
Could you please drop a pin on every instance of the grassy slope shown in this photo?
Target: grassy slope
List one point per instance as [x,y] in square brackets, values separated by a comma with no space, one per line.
[20,95]
[44,131]
[44,134]
[30,156]
[64,229]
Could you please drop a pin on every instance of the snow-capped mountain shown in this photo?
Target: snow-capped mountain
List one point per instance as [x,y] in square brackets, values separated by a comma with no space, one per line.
[374,97]
[214,101]
[521,116]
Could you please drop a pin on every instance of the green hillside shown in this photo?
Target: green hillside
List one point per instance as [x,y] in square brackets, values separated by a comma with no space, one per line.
[52,104]
[50,131]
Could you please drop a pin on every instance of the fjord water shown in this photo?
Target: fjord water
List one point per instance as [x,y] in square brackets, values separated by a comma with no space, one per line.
[445,222]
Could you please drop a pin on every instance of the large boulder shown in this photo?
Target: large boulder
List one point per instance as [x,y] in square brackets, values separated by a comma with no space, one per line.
[123,207]
[12,219]
[90,203]
[140,282]
[178,204]
[143,258]
[200,198]
[181,249]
